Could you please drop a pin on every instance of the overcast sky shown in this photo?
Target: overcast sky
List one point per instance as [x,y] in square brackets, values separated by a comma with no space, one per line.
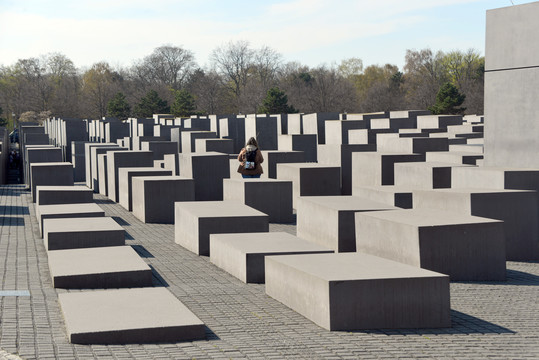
[311,32]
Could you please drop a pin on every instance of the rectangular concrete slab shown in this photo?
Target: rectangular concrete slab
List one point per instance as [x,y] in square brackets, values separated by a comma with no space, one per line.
[82,232]
[359,291]
[154,197]
[465,247]
[125,182]
[146,315]
[51,195]
[195,221]
[242,255]
[98,268]
[67,211]
[272,197]
[329,220]
[516,208]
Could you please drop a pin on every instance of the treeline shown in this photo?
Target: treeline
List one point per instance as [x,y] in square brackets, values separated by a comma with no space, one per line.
[236,81]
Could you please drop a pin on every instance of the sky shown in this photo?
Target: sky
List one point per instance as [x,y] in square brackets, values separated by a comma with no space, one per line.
[312,32]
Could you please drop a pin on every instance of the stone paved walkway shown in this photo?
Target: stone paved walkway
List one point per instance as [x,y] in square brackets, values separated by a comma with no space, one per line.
[490,320]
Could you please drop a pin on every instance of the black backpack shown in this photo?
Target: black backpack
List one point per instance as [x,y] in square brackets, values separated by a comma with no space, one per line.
[250,156]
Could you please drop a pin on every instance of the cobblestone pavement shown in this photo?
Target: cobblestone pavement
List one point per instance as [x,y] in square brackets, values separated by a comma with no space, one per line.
[490,320]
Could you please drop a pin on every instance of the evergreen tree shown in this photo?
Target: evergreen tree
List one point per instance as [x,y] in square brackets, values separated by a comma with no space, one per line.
[448,100]
[184,103]
[151,104]
[276,102]
[118,107]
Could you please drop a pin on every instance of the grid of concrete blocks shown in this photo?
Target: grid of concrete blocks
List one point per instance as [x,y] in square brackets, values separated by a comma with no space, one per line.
[390,207]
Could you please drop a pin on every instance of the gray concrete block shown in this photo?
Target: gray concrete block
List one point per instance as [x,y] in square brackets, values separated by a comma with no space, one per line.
[189,138]
[119,159]
[516,208]
[512,95]
[160,148]
[453,157]
[341,155]
[465,247]
[469,148]
[311,179]
[82,231]
[125,182]
[66,211]
[225,146]
[438,121]
[263,129]
[154,197]
[424,175]
[55,173]
[242,255]
[337,130]
[274,157]
[147,315]
[208,171]
[488,177]
[270,196]
[329,220]
[95,169]
[411,145]
[195,221]
[295,124]
[386,194]
[315,124]
[510,40]
[377,168]
[51,195]
[296,142]
[358,291]
[38,154]
[98,268]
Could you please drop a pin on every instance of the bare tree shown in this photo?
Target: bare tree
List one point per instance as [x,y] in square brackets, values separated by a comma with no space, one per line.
[99,86]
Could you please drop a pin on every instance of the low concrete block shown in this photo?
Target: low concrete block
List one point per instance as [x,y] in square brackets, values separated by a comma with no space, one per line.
[146,315]
[270,196]
[465,247]
[242,255]
[154,197]
[311,179]
[516,208]
[488,177]
[225,146]
[195,221]
[125,182]
[296,142]
[98,268]
[60,173]
[329,220]
[82,232]
[66,211]
[51,195]
[359,291]
[453,157]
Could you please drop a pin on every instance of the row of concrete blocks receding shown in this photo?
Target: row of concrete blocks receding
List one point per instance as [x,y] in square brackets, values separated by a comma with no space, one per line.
[87,250]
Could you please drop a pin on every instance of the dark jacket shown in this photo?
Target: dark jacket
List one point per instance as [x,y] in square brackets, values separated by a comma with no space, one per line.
[259,159]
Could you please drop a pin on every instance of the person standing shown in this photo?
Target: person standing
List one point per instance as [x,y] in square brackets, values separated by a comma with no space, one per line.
[250,158]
